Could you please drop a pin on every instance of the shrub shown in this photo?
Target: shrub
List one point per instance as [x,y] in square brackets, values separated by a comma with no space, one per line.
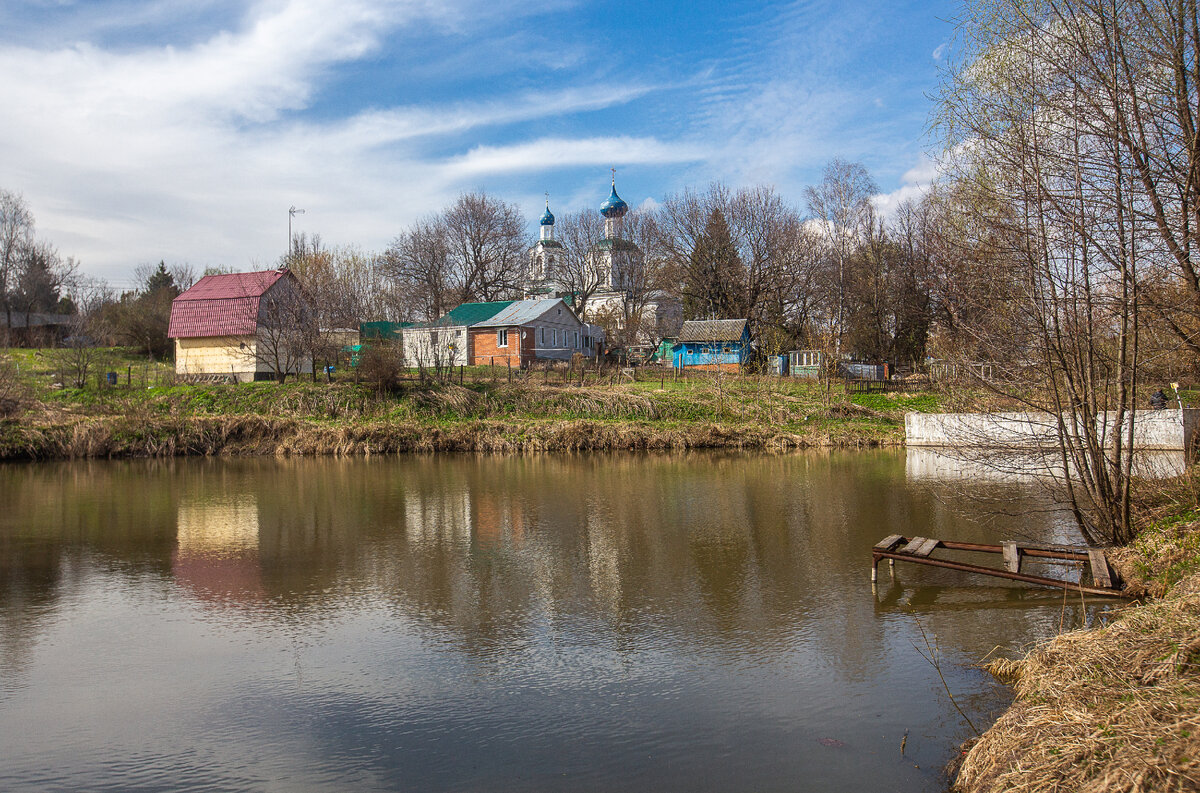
[13,394]
[380,365]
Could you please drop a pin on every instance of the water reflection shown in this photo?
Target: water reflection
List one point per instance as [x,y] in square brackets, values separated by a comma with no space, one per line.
[674,622]
[216,556]
[1006,465]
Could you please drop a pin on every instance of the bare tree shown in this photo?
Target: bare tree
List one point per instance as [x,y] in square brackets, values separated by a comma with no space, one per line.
[78,357]
[841,204]
[16,237]
[683,225]
[777,256]
[575,266]
[288,331]
[418,261]
[1039,117]
[486,243]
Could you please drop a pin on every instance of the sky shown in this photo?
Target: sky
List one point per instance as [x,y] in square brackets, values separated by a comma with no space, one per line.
[147,130]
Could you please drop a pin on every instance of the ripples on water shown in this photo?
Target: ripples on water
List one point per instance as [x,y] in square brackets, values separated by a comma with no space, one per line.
[691,623]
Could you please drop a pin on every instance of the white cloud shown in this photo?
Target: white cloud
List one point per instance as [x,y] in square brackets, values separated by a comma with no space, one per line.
[557,152]
[916,182]
[940,52]
[192,147]
[190,152]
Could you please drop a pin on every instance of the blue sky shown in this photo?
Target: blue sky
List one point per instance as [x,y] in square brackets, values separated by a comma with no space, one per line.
[158,129]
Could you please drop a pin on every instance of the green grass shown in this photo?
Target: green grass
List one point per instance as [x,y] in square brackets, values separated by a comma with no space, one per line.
[761,403]
[922,402]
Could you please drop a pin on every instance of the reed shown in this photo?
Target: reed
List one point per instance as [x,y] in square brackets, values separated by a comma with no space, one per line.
[165,436]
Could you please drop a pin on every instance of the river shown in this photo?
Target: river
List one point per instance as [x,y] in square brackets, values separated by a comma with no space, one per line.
[699,622]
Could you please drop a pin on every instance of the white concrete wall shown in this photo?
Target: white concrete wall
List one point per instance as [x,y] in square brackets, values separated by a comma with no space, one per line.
[1153,429]
[1016,465]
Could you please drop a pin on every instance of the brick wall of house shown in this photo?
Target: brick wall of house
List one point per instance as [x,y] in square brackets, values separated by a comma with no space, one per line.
[714,367]
[484,351]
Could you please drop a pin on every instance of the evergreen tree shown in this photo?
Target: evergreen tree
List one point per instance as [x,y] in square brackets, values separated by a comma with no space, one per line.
[714,282]
[38,281]
[161,279]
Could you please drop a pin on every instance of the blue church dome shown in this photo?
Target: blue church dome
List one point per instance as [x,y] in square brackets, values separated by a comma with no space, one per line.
[548,218]
[614,207]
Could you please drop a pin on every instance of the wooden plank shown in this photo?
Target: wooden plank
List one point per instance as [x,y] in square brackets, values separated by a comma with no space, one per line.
[1027,549]
[889,542]
[1012,557]
[1025,577]
[914,544]
[926,548]
[1099,568]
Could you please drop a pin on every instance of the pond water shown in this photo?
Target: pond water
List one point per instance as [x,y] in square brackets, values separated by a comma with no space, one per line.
[700,622]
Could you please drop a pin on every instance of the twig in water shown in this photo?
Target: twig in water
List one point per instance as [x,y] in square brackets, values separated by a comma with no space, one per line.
[934,658]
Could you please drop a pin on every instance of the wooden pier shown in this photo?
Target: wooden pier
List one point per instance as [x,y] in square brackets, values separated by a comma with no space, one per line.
[920,550]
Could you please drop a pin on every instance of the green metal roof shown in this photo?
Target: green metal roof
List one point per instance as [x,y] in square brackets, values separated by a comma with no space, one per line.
[381,330]
[471,313]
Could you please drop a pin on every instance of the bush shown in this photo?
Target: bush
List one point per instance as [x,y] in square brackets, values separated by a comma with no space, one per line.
[14,396]
[380,365]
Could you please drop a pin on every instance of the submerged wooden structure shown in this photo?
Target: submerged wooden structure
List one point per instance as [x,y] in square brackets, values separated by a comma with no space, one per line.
[920,549]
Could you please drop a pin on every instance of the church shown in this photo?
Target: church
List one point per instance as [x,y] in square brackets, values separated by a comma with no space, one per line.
[613,265]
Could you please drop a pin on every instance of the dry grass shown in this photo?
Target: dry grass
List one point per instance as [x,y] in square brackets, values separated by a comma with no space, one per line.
[144,436]
[1111,709]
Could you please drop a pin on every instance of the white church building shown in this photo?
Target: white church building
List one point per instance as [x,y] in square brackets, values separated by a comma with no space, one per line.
[616,263]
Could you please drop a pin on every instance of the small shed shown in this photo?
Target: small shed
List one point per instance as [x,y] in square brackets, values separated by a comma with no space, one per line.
[805,364]
[231,325]
[713,345]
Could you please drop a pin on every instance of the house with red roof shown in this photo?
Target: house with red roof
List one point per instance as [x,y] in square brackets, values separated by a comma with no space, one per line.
[240,325]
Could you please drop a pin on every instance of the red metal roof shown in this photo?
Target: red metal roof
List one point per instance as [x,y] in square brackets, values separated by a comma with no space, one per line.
[221,305]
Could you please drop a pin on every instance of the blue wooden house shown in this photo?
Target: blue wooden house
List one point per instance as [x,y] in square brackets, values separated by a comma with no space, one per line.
[713,344]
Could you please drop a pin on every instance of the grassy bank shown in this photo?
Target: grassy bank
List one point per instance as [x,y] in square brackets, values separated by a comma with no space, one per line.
[485,412]
[1115,708]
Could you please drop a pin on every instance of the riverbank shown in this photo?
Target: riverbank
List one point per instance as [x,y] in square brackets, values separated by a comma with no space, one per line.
[1116,707]
[347,419]
[340,418]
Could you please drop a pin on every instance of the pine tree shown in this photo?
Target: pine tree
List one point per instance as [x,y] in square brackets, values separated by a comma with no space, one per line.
[714,281]
[161,279]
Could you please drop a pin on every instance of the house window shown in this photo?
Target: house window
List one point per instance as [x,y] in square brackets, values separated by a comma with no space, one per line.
[575,339]
[502,337]
[541,337]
